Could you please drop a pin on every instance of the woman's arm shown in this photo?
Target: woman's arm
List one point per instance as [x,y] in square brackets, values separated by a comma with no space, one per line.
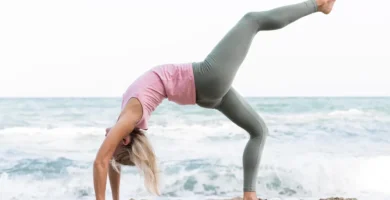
[123,127]
[115,178]
[105,153]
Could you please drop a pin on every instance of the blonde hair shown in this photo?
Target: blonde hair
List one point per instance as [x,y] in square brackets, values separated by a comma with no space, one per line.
[139,153]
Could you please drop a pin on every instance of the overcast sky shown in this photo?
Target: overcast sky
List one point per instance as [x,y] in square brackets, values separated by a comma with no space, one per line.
[97,48]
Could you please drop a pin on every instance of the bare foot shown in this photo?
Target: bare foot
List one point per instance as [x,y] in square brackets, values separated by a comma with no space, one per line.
[251,196]
[325,6]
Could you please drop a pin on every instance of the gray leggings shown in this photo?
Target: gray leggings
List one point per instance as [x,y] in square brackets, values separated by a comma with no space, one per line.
[214,76]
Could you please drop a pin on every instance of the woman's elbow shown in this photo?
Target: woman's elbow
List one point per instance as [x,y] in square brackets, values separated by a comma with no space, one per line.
[100,162]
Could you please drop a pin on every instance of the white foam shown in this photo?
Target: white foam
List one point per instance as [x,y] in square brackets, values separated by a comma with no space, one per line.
[373,174]
[319,175]
[349,112]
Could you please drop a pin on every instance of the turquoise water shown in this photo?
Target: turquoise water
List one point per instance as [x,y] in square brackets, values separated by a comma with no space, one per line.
[317,147]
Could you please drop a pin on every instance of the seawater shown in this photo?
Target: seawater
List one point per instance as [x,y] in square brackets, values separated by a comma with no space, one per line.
[317,147]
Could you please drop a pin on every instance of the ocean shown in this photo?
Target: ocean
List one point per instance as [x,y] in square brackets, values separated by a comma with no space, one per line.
[317,147]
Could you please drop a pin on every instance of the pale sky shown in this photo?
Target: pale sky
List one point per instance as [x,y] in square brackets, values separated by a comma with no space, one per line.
[97,48]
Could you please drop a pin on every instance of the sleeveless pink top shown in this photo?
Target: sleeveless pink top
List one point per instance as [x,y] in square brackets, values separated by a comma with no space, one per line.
[172,81]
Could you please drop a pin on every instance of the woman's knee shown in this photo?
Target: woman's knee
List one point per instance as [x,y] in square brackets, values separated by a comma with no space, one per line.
[265,20]
[251,17]
[260,131]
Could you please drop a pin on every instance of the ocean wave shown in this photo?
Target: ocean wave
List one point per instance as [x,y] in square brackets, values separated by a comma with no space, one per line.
[349,112]
[316,147]
[310,176]
[39,131]
[42,168]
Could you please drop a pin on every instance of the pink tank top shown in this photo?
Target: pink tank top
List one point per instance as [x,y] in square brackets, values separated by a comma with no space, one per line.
[172,81]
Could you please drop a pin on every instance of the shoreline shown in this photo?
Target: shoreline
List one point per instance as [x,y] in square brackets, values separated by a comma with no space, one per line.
[328,198]
[239,198]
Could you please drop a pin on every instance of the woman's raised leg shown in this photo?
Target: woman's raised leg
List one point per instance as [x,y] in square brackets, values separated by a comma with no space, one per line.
[214,76]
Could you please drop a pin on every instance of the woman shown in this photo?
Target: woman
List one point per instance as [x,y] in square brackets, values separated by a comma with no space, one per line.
[207,84]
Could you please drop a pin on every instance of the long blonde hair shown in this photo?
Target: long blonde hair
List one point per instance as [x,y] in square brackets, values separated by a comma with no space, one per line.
[139,153]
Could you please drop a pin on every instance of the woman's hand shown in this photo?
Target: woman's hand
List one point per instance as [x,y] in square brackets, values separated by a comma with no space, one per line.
[123,127]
